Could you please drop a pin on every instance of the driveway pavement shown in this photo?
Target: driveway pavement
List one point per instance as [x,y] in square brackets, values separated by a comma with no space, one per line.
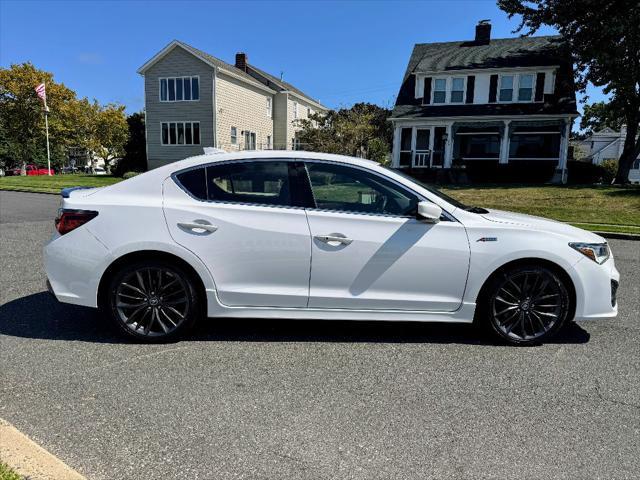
[337,400]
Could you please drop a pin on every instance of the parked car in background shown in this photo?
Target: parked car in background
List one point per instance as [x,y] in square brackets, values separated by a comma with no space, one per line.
[30,170]
[68,170]
[305,235]
[99,171]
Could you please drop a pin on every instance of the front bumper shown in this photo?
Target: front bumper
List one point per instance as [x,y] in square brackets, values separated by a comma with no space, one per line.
[596,288]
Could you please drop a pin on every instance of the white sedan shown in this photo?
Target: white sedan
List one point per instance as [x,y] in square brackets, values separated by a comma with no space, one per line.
[313,236]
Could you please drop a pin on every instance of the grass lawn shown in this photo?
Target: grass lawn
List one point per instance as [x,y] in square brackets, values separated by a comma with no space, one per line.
[601,208]
[7,474]
[55,183]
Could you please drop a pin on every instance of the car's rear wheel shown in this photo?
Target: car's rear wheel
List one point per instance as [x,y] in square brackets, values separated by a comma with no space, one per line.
[153,301]
[527,305]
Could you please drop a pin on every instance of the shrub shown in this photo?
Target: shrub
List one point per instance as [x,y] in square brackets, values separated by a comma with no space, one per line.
[581,173]
[130,175]
[609,170]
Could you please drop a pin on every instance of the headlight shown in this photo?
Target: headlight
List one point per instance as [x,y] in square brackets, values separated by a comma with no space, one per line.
[598,252]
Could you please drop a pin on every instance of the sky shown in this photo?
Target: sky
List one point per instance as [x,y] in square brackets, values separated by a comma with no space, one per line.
[339,52]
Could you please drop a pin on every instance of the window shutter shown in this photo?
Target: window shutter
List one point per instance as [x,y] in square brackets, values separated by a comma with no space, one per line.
[539,87]
[471,84]
[426,95]
[493,89]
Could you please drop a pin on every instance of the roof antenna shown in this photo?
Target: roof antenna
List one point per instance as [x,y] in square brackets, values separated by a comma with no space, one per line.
[281,75]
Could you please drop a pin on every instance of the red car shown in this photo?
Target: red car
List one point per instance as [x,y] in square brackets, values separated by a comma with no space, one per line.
[31,170]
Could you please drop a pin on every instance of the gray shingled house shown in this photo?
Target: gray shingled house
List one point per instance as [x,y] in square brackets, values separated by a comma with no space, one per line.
[194,100]
[484,105]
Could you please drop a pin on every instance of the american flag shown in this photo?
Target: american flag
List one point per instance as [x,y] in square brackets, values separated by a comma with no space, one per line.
[40,90]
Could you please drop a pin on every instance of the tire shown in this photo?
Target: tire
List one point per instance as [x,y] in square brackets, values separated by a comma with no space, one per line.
[153,301]
[525,305]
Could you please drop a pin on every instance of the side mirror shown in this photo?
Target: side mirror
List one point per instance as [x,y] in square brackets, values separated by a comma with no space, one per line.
[429,212]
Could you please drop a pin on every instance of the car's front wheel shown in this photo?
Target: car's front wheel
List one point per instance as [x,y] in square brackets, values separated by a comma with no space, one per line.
[527,304]
[153,301]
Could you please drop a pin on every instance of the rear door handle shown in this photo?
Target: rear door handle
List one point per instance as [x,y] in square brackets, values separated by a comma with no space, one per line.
[333,238]
[198,225]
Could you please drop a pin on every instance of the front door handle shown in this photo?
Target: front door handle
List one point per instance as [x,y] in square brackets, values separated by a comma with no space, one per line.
[198,225]
[334,238]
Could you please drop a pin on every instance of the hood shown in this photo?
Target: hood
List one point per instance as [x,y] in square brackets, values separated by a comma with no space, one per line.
[543,224]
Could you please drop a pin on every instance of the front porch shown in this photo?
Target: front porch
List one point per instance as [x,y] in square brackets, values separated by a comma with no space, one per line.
[458,151]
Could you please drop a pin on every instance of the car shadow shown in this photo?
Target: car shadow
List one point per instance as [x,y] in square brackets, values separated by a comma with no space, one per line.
[40,316]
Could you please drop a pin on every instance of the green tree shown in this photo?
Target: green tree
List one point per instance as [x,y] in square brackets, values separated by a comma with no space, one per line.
[361,131]
[604,38]
[112,132]
[135,156]
[600,115]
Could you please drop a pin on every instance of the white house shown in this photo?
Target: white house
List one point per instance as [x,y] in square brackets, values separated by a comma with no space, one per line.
[609,144]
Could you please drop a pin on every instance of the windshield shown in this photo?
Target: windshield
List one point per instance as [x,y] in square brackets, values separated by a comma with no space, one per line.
[433,190]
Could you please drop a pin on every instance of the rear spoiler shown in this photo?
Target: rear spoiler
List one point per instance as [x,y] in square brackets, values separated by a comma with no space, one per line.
[66,192]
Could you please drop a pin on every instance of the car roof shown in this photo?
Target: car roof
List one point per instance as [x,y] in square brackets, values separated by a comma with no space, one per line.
[266,155]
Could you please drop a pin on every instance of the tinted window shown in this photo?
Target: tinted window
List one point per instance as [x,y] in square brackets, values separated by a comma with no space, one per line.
[265,183]
[194,182]
[336,187]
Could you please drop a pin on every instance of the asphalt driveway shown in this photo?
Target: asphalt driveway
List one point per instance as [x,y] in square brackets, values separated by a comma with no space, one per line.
[284,399]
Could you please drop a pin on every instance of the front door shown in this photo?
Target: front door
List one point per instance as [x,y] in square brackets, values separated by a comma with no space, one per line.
[239,218]
[370,252]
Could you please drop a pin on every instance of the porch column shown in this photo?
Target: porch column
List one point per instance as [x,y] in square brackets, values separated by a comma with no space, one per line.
[448,147]
[395,154]
[564,151]
[504,144]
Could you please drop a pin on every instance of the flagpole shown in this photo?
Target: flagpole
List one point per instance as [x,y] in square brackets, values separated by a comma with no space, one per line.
[46,126]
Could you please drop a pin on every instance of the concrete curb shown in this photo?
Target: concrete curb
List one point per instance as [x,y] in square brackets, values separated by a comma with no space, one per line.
[29,459]
[28,191]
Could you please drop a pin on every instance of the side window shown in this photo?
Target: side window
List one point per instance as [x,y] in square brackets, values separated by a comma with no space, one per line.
[259,182]
[342,188]
[195,182]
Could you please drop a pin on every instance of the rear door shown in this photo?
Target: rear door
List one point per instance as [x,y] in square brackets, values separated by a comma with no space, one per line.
[241,219]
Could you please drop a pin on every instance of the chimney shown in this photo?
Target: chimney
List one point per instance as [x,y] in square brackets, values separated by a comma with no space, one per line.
[241,61]
[483,32]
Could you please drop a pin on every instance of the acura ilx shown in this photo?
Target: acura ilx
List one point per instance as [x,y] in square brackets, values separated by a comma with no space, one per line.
[305,235]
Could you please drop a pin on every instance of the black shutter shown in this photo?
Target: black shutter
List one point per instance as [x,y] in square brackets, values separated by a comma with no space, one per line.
[493,89]
[426,93]
[539,87]
[471,84]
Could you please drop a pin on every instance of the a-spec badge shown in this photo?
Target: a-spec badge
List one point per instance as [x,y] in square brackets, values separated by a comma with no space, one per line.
[487,239]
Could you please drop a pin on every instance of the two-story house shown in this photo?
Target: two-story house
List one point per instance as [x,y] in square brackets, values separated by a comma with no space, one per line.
[194,100]
[485,104]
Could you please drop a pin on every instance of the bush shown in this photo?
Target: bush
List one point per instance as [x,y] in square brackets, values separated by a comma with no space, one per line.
[609,170]
[130,175]
[580,173]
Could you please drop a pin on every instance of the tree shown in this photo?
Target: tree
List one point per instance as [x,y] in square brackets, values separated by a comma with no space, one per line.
[22,116]
[604,38]
[600,115]
[112,132]
[135,156]
[361,131]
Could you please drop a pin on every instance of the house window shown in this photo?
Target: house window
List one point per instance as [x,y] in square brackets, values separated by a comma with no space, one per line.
[269,107]
[234,135]
[249,140]
[309,112]
[179,89]
[506,88]
[268,142]
[525,88]
[440,90]
[535,143]
[477,143]
[295,110]
[457,90]
[405,147]
[180,133]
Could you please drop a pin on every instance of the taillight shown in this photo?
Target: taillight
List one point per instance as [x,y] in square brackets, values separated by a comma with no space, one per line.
[69,220]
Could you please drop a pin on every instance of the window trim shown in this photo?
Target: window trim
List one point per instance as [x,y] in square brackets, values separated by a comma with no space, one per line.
[433,90]
[192,122]
[464,90]
[181,77]
[269,107]
[448,89]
